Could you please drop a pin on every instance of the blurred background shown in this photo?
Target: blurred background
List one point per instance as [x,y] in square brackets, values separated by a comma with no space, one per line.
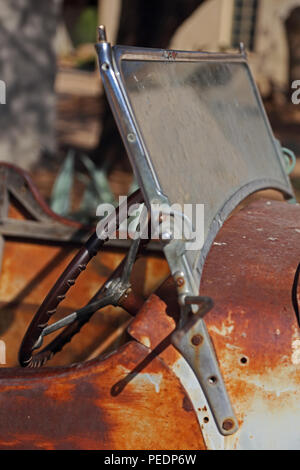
[56,122]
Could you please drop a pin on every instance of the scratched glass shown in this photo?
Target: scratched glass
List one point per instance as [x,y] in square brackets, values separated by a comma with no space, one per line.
[203,128]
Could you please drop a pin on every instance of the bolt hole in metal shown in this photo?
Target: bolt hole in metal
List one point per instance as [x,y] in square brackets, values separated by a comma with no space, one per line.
[206,419]
[105,66]
[212,380]
[244,360]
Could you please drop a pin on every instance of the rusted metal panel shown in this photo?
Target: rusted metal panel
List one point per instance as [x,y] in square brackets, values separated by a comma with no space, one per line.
[132,398]
[153,327]
[126,401]
[29,270]
[249,274]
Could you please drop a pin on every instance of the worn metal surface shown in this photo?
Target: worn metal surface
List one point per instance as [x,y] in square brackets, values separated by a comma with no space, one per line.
[192,344]
[221,134]
[30,269]
[249,274]
[126,401]
[32,263]
[153,327]
[28,273]
[42,223]
[36,220]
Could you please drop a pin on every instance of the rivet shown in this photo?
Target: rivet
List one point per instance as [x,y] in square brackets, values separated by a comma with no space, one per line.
[180,282]
[131,137]
[196,340]
[228,424]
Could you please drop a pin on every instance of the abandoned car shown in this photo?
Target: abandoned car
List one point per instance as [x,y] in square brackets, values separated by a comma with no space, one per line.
[182,345]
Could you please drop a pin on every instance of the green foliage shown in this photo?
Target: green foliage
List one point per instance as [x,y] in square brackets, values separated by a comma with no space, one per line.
[97,189]
[60,201]
[86,26]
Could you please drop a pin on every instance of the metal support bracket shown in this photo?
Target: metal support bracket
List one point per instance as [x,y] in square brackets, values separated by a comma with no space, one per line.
[193,341]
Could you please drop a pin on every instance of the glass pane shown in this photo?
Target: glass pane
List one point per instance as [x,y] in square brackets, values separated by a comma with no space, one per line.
[203,128]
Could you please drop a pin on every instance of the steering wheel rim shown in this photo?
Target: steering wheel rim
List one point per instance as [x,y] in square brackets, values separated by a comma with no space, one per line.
[59,290]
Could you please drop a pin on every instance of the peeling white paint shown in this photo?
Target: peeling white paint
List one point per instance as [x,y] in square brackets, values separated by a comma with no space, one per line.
[155,379]
[142,378]
[275,432]
[296,352]
[225,330]
[212,438]
[233,347]
[254,432]
[227,327]
[145,340]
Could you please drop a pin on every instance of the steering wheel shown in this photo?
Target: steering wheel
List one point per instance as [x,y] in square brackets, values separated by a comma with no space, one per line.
[115,291]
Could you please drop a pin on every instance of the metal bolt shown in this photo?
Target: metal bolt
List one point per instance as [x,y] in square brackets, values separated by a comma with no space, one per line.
[166,236]
[101,33]
[228,424]
[180,282]
[196,340]
[105,66]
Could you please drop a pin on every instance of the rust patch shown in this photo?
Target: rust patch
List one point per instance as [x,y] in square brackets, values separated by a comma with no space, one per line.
[249,274]
[253,324]
[60,391]
[187,404]
[153,327]
[91,418]
[29,270]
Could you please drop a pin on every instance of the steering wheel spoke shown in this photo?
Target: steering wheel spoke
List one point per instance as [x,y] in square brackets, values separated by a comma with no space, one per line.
[115,291]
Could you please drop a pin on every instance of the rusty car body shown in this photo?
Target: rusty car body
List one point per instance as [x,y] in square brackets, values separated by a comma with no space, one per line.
[217,369]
